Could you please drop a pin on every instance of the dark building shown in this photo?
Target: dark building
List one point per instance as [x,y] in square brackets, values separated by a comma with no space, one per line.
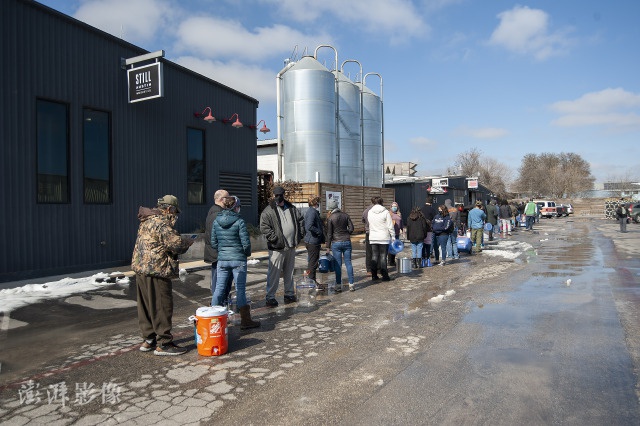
[412,192]
[78,158]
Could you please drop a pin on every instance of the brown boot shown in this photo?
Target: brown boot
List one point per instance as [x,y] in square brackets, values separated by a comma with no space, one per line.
[245,318]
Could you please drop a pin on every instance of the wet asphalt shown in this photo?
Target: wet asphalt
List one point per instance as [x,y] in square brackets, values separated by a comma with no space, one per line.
[486,339]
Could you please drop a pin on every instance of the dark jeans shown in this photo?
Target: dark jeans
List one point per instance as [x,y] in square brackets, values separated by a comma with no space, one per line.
[426,251]
[623,224]
[493,227]
[379,259]
[313,254]
[367,252]
[441,241]
[530,221]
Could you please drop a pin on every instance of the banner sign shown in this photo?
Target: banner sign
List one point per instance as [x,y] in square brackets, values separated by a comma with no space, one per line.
[472,183]
[440,183]
[145,82]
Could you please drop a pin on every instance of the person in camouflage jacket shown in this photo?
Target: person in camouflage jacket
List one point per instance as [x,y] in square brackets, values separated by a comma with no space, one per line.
[155,262]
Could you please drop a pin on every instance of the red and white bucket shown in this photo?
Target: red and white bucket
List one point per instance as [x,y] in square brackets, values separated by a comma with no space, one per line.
[212,337]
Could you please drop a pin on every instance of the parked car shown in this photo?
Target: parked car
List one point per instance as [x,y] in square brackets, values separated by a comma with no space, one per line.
[634,211]
[562,210]
[546,208]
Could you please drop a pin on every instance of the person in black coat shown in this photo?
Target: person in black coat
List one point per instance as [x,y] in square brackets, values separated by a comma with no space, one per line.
[314,235]
[428,211]
[417,230]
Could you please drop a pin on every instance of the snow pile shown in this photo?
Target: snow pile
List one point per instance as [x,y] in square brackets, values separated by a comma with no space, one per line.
[508,249]
[439,298]
[14,298]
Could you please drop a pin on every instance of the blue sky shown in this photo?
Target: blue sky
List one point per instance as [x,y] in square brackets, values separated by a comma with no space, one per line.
[507,78]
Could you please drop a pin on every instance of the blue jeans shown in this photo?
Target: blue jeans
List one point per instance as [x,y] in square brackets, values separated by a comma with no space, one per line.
[239,270]
[416,250]
[214,281]
[339,249]
[441,241]
[452,244]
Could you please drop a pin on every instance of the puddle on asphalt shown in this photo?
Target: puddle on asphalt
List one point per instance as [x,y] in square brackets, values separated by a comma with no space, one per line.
[562,278]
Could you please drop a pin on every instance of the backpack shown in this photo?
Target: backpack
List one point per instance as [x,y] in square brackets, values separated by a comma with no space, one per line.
[623,211]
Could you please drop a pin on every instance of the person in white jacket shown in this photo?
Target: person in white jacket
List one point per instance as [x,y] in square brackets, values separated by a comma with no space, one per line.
[381,232]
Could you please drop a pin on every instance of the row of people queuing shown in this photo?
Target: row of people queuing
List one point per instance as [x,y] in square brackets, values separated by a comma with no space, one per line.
[228,245]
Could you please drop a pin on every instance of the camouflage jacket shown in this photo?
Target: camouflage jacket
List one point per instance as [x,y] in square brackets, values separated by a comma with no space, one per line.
[158,245]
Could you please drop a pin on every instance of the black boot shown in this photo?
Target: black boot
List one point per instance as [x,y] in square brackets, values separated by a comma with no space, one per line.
[414,263]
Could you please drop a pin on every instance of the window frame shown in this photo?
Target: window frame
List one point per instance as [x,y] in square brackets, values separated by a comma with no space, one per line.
[109,161]
[67,146]
[203,197]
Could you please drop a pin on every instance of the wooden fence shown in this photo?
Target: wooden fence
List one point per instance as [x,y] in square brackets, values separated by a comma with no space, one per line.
[355,199]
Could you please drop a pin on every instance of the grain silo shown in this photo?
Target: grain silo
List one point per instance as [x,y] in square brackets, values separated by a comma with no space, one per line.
[349,136]
[329,128]
[372,132]
[308,105]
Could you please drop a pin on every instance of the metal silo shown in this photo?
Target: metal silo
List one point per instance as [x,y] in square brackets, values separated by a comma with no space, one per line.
[349,141]
[372,132]
[308,98]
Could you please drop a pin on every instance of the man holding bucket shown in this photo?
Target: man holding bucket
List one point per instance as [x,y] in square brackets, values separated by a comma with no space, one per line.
[155,262]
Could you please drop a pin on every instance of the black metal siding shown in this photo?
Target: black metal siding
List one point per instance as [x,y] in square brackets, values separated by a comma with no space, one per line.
[48,55]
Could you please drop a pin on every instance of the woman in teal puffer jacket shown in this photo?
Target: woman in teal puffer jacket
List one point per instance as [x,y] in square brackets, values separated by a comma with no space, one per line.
[230,238]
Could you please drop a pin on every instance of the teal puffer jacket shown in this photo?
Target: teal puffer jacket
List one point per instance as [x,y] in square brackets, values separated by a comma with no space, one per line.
[230,237]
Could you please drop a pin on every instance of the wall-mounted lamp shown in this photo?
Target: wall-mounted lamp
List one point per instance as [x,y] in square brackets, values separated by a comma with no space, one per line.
[209,118]
[237,124]
[263,129]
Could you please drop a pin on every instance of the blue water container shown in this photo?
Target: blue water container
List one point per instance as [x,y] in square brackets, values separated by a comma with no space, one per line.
[464,244]
[396,247]
[323,264]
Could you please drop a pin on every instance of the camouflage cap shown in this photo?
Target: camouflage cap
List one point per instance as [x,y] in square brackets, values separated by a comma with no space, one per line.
[169,200]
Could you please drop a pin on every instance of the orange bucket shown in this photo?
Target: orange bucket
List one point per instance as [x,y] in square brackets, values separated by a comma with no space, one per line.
[211,330]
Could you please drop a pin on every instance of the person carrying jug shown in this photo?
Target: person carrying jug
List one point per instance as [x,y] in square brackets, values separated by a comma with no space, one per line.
[398,227]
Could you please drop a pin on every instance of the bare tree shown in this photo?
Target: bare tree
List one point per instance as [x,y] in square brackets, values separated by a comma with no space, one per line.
[468,163]
[556,175]
[492,173]
[621,182]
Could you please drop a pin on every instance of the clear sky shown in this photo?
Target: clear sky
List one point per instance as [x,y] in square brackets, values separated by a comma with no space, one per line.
[508,78]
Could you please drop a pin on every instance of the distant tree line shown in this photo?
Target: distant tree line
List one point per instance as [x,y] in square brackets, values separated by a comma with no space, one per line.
[540,175]
[555,175]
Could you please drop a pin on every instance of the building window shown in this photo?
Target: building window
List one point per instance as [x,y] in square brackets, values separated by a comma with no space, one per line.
[52,135]
[195,166]
[96,135]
